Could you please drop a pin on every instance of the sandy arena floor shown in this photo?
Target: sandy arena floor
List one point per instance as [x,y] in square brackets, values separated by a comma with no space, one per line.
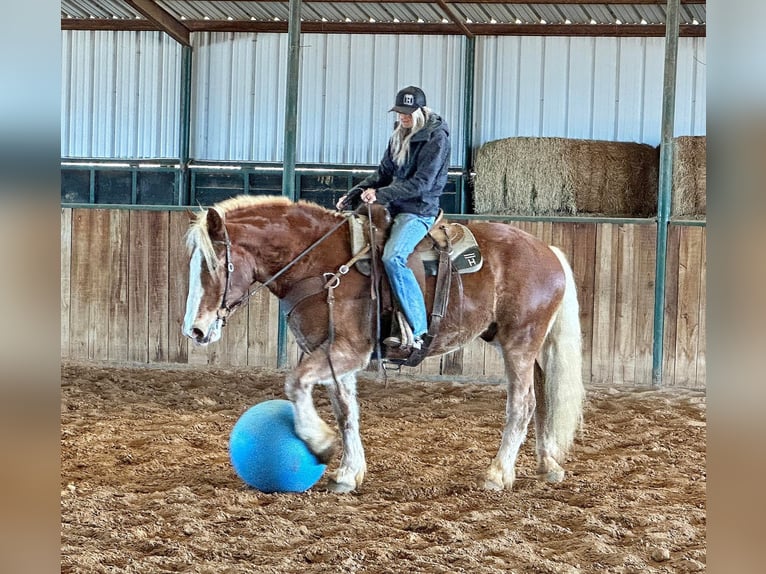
[146,483]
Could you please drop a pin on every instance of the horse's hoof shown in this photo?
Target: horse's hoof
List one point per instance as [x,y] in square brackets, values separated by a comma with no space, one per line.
[552,476]
[492,485]
[339,486]
[550,471]
[495,479]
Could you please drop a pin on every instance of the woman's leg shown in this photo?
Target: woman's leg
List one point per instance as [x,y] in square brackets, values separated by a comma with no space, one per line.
[407,231]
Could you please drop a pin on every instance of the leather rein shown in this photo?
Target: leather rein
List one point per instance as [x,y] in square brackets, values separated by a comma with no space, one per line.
[332,279]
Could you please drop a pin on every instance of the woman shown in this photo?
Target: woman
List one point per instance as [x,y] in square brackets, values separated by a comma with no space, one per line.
[409,180]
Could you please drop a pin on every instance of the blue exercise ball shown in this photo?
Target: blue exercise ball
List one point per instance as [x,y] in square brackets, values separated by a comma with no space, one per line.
[267,454]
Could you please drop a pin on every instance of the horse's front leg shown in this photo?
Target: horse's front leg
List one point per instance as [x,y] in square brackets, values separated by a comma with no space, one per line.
[353,468]
[520,405]
[320,438]
[309,426]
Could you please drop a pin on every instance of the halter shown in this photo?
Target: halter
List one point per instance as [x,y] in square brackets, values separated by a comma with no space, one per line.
[225,310]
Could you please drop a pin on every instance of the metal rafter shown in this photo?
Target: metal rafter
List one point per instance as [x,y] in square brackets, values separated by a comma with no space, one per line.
[605,30]
[533,2]
[162,19]
[455,18]
[165,15]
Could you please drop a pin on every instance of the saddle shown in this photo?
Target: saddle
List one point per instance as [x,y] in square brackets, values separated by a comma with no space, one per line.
[447,248]
[464,253]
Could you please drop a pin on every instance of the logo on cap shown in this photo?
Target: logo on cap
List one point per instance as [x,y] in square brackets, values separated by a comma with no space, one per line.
[408,100]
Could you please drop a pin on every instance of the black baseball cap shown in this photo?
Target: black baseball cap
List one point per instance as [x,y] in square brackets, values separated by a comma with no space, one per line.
[408,100]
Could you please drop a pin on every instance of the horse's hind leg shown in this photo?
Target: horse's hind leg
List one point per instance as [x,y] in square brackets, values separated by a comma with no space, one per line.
[548,468]
[520,404]
[352,469]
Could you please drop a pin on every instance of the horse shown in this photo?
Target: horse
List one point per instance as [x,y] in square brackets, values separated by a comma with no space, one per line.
[522,301]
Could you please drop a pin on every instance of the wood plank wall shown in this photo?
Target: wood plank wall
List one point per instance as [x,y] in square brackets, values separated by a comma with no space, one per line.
[124,277]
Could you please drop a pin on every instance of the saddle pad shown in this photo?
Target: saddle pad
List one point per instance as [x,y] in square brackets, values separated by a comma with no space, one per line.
[466,256]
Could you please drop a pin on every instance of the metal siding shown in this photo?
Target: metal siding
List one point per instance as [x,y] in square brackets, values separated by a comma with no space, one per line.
[531,85]
[630,109]
[313,90]
[121,95]
[654,70]
[121,92]
[605,89]
[335,100]
[496,86]
[347,86]
[581,89]
[690,89]
[699,100]
[238,96]
[590,88]
[555,92]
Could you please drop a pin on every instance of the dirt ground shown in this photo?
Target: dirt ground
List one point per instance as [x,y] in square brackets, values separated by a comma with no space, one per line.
[146,483]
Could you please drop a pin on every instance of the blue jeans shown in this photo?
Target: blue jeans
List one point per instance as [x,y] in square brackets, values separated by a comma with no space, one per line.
[407,231]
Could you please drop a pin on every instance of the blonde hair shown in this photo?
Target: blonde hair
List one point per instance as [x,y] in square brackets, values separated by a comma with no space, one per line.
[400,139]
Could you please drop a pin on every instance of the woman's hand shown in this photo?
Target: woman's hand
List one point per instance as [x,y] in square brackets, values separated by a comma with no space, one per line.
[341,205]
[368,195]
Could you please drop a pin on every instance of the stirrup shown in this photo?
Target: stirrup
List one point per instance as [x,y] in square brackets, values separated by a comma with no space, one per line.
[393,342]
[396,343]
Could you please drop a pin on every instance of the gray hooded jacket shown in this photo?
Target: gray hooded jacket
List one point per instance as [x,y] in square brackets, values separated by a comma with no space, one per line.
[414,187]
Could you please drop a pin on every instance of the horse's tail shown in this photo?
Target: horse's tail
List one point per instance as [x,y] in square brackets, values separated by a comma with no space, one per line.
[561,377]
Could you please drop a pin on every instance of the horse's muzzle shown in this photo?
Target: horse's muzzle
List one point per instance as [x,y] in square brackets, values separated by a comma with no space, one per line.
[200,337]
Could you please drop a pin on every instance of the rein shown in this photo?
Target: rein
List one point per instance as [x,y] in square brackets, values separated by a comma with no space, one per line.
[332,280]
[225,310]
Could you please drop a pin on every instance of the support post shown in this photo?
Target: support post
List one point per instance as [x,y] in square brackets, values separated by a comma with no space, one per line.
[291,130]
[184,122]
[665,184]
[468,89]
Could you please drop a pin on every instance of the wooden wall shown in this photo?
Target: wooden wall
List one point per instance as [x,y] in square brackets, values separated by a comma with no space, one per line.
[124,278]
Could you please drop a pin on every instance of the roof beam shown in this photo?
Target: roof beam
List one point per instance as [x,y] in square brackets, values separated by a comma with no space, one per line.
[608,30]
[531,2]
[164,21]
[455,18]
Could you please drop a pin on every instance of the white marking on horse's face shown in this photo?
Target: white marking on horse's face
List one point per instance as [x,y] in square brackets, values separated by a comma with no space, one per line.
[200,325]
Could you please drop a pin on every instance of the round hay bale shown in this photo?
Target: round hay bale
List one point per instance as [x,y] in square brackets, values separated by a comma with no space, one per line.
[560,176]
[689,177]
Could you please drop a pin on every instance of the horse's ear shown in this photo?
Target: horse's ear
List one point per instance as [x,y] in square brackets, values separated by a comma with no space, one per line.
[215,224]
[192,216]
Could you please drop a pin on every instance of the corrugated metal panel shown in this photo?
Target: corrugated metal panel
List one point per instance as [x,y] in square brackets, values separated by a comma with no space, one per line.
[575,14]
[591,88]
[121,92]
[390,12]
[238,96]
[97,9]
[691,99]
[120,95]
[348,83]
[653,14]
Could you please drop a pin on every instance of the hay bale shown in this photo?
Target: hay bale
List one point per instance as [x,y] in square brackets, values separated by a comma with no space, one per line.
[689,177]
[559,176]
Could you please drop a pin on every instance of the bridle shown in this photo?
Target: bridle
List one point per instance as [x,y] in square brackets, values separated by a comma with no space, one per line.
[224,310]
[331,281]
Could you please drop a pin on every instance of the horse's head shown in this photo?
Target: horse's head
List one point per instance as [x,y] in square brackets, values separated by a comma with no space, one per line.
[209,276]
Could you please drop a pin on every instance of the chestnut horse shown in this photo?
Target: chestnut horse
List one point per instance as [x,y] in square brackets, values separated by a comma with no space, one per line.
[522,301]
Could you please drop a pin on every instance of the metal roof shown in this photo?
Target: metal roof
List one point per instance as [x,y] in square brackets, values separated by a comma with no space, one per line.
[484,17]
